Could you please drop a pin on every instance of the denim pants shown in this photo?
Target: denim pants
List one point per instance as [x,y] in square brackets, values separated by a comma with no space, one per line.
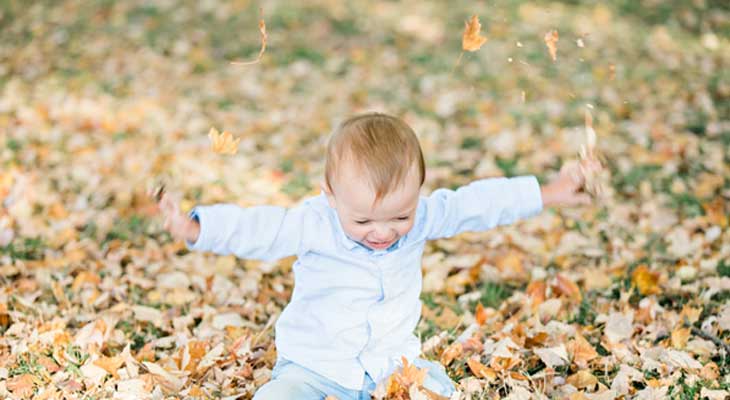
[292,381]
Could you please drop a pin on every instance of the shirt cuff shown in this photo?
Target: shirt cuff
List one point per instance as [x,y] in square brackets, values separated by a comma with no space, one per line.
[528,189]
[194,215]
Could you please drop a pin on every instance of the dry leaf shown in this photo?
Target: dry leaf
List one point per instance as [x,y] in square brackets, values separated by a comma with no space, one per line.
[645,280]
[582,379]
[21,385]
[223,143]
[480,370]
[110,364]
[581,351]
[472,39]
[551,41]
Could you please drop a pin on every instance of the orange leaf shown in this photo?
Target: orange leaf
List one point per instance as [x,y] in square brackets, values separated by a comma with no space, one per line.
[480,370]
[21,386]
[645,280]
[400,381]
[223,143]
[581,351]
[110,364]
[551,41]
[480,315]
[471,40]
[536,291]
[582,379]
[565,287]
[451,352]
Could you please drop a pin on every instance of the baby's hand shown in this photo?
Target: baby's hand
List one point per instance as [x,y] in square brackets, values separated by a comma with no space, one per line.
[180,226]
[566,189]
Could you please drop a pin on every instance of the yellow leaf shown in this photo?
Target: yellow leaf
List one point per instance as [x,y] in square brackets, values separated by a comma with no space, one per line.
[471,40]
[680,336]
[645,280]
[551,41]
[223,143]
[110,364]
[21,386]
[582,379]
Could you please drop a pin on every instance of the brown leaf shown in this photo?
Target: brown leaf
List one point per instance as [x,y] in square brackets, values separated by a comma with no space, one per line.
[451,353]
[551,41]
[581,351]
[21,385]
[563,286]
[400,381]
[480,370]
[472,40]
[582,379]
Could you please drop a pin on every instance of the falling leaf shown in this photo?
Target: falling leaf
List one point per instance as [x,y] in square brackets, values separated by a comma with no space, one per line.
[262,30]
[551,41]
[645,280]
[472,40]
[223,143]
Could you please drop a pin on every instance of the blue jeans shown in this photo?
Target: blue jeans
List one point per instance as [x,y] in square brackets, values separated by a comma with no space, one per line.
[292,381]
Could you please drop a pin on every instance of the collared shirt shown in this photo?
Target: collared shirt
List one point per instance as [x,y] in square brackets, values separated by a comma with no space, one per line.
[353,310]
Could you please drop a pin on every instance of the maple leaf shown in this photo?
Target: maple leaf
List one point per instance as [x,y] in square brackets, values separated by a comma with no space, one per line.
[223,143]
[472,40]
[401,381]
[262,30]
[551,41]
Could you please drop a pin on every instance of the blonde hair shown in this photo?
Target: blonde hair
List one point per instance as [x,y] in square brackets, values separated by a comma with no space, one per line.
[384,146]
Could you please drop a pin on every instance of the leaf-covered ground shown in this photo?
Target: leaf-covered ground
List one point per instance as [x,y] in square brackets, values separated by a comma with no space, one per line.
[99,99]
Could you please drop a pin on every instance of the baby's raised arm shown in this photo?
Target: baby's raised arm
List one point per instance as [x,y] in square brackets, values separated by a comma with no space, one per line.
[260,232]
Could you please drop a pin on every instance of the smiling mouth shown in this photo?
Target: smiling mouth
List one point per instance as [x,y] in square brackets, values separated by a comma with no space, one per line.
[379,245]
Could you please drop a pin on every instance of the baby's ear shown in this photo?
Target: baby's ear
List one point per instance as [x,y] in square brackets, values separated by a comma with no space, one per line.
[327,192]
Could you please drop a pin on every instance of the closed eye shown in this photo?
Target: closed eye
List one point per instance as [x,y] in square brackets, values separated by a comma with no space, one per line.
[363,222]
[403,218]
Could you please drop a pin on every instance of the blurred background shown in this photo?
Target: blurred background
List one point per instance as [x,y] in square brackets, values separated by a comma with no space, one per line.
[99,99]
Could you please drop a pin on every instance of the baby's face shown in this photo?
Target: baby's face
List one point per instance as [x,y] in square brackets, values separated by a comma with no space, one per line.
[376,226]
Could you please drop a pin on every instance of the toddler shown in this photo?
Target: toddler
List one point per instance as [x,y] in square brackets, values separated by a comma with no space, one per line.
[357,279]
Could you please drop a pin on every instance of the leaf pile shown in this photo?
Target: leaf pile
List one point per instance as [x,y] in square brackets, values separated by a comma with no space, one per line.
[627,297]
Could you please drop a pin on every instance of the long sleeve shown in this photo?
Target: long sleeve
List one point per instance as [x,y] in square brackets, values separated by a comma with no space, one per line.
[481,205]
[261,232]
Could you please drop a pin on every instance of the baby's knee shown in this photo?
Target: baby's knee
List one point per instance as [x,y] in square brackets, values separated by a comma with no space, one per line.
[278,389]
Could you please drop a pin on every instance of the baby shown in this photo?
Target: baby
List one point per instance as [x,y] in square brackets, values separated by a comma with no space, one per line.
[357,279]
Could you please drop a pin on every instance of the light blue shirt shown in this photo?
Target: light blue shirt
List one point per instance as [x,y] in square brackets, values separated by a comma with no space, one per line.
[353,310]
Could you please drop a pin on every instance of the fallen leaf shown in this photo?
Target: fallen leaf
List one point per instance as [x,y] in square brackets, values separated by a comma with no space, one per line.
[480,370]
[553,356]
[582,379]
[581,351]
[21,385]
[645,280]
[110,364]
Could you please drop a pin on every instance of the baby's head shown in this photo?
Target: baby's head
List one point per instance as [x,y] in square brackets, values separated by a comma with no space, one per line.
[373,175]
